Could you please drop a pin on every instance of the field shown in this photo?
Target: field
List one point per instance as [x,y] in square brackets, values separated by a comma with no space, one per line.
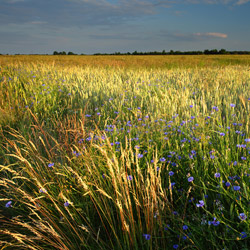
[124,152]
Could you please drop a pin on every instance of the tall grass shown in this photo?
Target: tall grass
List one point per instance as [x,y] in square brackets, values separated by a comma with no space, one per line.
[124,158]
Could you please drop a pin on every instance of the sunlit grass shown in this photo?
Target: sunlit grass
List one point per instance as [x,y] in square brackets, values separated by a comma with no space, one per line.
[96,154]
[129,61]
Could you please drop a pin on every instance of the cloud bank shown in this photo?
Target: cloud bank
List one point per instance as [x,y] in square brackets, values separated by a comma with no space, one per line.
[211,34]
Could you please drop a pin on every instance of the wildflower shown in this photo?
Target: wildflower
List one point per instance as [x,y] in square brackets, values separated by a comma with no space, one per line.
[42,190]
[130,177]
[66,204]
[171,173]
[232,105]
[214,222]
[8,204]
[172,184]
[190,179]
[236,188]
[243,158]
[222,134]
[175,246]
[243,235]
[191,106]
[185,227]
[139,155]
[51,165]
[147,236]
[200,204]
[242,216]
[193,152]
[247,140]
[162,159]
[217,175]
[227,184]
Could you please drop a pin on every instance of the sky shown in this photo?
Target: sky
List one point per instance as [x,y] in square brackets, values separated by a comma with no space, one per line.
[108,26]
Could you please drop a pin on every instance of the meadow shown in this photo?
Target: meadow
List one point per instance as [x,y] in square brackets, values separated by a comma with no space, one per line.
[124,152]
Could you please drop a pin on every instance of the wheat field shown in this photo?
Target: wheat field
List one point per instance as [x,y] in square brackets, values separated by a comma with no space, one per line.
[124,152]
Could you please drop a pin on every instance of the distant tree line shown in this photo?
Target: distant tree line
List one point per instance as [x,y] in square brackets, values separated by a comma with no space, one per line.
[63,53]
[171,52]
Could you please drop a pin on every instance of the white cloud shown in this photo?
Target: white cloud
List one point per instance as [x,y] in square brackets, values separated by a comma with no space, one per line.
[240,2]
[15,1]
[38,22]
[211,34]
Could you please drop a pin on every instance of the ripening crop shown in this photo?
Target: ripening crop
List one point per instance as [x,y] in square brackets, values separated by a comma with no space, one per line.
[124,157]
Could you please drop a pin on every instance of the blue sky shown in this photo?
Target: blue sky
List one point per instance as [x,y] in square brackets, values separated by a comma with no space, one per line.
[99,26]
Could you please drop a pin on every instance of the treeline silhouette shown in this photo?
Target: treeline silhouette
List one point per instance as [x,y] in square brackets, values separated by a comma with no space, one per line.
[171,52]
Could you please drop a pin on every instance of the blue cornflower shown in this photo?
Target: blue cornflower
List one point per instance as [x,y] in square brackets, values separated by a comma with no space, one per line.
[139,155]
[232,105]
[190,179]
[130,177]
[247,140]
[171,173]
[66,204]
[222,134]
[8,204]
[200,204]
[243,235]
[42,190]
[147,236]
[172,184]
[175,246]
[227,184]
[236,188]
[242,216]
[51,165]
[185,227]
[162,159]
[217,175]
[214,222]
[243,158]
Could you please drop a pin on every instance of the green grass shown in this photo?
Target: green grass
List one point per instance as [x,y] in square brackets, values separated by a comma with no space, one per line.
[87,149]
